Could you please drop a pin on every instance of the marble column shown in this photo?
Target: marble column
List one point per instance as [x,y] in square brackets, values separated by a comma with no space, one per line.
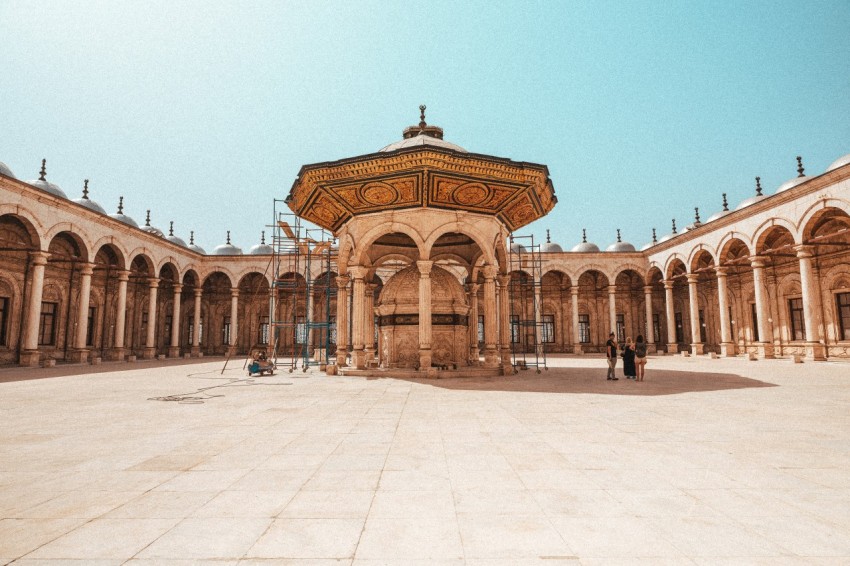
[234,319]
[505,323]
[369,322]
[80,352]
[491,358]
[30,354]
[150,340]
[473,324]
[117,351]
[576,333]
[815,350]
[765,344]
[358,354]
[174,347]
[538,318]
[650,328]
[672,345]
[196,323]
[612,309]
[342,320]
[424,314]
[697,347]
[727,346]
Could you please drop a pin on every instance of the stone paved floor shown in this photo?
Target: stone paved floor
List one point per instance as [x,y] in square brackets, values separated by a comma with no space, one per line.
[707,462]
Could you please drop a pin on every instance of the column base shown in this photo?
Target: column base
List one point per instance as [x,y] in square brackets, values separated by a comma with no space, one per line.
[30,358]
[651,348]
[149,353]
[577,349]
[815,351]
[370,355]
[174,352]
[114,354]
[358,358]
[231,351]
[341,357]
[80,356]
[491,358]
[424,359]
[474,356]
[728,349]
[672,348]
[765,350]
[195,351]
[697,349]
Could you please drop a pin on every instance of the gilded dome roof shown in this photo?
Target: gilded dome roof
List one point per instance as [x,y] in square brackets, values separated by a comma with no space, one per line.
[402,290]
[840,162]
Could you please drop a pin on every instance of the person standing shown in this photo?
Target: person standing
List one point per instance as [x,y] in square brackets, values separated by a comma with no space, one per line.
[640,357]
[629,359]
[611,353]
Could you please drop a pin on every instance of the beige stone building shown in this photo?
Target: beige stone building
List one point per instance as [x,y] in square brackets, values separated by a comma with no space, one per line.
[424,274]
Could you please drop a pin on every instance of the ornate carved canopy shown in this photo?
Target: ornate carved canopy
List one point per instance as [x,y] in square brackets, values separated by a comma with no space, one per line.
[330,194]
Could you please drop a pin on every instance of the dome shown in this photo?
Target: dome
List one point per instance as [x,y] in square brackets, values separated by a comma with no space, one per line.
[747,202]
[840,162]
[262,248]
[175,239]
[422,135]
[791,183]
[647,246]
[151,229]
[620,247]
[719,214]
[585,247]
[87,202]
[197,248]
[669,236]
[227,248]
[517,248]
[401,292]
[45,185]
[551,248]
[121,217]
[4,170]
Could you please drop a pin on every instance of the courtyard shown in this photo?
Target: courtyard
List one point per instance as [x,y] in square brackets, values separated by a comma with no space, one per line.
[707,462]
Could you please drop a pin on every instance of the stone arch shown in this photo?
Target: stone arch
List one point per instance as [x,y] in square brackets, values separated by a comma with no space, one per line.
[557,269]
[696,252]
[168,260]
[770,229]
[142,255]
[79,237]
[77,243]
[116,245]
[586,268]
[191,278]
[460,228]
[733,239]
[816,209]
[368,239]
[347,248]
[32,226]
[700,260]
[629,267]
[168,271]
[674,262]
[250,270]
[217,273]
[821,217]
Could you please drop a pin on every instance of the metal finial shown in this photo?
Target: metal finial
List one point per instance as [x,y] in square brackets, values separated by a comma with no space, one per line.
[263,237]
[228,237]
[584,235]
[696,215]
[86,189]
[120,205]
[148,218]
[800,169]
[654,237]
[192,238]
[43,173]
[725,204]
[422,123]
[758,186]
[548,239]
[618,236]
[171,228]
[674,226]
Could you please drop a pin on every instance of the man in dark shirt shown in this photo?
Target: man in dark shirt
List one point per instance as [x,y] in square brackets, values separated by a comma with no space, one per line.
[611,353]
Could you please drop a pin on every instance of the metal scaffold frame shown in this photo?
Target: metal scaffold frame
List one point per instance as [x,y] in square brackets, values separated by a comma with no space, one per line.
[297,250]
[526,304]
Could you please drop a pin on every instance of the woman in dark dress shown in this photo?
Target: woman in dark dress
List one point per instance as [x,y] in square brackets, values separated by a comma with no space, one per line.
[629,359]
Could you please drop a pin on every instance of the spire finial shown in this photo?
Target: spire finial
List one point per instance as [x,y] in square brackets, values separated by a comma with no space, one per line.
[171,228]
[696,215]
[86,189]
[725,204]
[120,205]
[654,237]
[618,236]
[192,238]
[674,226]
[584,235]
[42,175]
[228,237]
[263,237]
[148,218]
[422,123]
[548,239]
[800,169]
[758,186]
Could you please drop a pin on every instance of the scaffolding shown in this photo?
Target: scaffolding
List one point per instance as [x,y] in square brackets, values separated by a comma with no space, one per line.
[300,304]
[527,327]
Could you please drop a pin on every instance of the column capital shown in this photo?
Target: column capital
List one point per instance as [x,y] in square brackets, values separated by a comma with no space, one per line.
[358,272]
[473,288]
[86,268]
[758,261]
[178,288]
[153,282]
[804,251]
[234,292]
[721,271]
[39,257]
[668,284]
[574,290]
[342,281]
[612,289]
[647,289]
[370,287]
[504,280]
[692,278]
[199,291]
[123,275]
[489,271]
[424,267]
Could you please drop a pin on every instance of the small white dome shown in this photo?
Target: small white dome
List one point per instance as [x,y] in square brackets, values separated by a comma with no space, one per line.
[4,170]
[177,240]
[669,236]
[647,246]
[620,247]
[87,202]
[747,202]
[421,140]
[45,185]
[261,249]
[551,248]
[197,248]
[840,162]
[517,248]
[791,183]
[585,247]
[719,214]
[227,248]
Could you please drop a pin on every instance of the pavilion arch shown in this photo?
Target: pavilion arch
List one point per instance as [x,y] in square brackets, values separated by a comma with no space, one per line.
[731,241]
[672,262]
[346,249]
[459,228]
[816,210]
[28,220]
[699,250]
[501,253]
[368,239]
[117,247]
[821,218]
[629,267]
[451,258]
[384,259]
[769,231]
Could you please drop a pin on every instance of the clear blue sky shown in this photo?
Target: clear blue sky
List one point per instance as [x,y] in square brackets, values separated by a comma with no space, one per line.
[204,111]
